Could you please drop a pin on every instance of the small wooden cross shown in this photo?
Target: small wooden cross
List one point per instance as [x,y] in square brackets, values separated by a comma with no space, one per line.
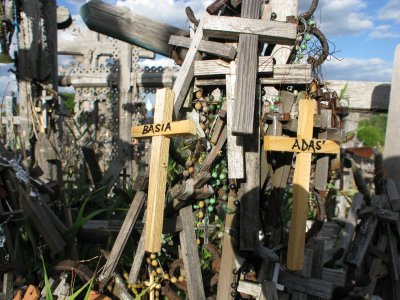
[305,145]
[206,227]
[161,132]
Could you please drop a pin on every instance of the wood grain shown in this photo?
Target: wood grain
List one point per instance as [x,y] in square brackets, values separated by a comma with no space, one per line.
[158,173]
[267,31]
[301,183]
[214,48]
[287,144]
[178,128]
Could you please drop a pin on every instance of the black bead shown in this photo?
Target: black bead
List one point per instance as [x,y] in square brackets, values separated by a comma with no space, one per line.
[233,294]
[233,187]
[233,285]
[237,203]
[235,271]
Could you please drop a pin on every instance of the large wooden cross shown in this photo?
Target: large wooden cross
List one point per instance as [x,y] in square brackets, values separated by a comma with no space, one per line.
[161,132]
[305,146]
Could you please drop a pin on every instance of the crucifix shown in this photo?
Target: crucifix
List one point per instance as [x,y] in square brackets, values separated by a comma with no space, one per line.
[161,131]
[305,146]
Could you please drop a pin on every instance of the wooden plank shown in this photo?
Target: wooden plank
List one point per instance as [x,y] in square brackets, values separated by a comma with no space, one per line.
[249,288]
[391,154]
[392,193]
[123,236]
[92,164]
[247,65]
[267,31]
[211,67]
[318,247]
[350,228]
[166,129]
[336,276]
[190,255]
[158,173]
[235,143]
[214,48]
[268,291]
[185,75]
[376,266]
[250,188]
[138,259]
[127,26]
[289,74]
[228,255]
[394,254]
[220,67]
[283,9]
[301,183]
[322,167]
[362,240]
[303,145]
[310,286]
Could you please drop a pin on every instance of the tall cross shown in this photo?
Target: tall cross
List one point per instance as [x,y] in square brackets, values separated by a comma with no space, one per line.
[161,131]
[305,146]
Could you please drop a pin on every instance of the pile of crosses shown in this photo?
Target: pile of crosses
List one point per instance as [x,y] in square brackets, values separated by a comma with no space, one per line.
[230,95]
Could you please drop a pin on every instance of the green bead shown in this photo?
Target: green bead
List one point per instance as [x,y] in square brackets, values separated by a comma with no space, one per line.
[210,208]
[221,98]
[300,55]
[303,47]
[224,163]
[222,176]
[218,106]
[217,182]
[307,37]
[224,206]
[207,201]
[212,200]
[211,98]
[196,206]
[212,107]
[214,175]
[311,22]
[224,197]
[225,187]
[272,107]
[278,98]
[211,117]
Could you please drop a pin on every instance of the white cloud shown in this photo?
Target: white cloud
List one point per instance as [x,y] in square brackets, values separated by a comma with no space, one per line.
[383,32]
[373,69]
[391,11]
[166,11]
[339,17]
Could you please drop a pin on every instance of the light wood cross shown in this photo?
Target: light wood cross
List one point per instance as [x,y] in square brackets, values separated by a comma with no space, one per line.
[305,145]
[161,132]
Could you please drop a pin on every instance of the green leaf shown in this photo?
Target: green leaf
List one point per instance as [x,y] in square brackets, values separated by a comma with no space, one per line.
[49,294]
[78,292]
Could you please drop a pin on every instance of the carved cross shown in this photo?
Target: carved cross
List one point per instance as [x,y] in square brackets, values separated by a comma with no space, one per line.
[305,146]
[161,131]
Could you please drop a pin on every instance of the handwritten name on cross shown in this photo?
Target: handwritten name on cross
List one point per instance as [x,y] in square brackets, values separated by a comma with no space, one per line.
[305,145]
[161,132]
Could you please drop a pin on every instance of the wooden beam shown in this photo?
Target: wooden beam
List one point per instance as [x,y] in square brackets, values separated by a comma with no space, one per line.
[310,286]
[247,63]
[158,173]
[127,26]
[177,128]
[214,48]
[228,255]
[190,255]
[221,67]
[391,154]
[289,74]
[185,75]
[300,145]
[268,31]
[301,183]
[235,143]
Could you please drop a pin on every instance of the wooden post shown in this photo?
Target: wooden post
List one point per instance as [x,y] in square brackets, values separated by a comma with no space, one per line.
[391,153]
[305,145]
[160,132]
[246,73]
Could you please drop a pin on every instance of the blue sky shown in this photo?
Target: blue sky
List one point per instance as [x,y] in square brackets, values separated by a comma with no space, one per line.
[365,32]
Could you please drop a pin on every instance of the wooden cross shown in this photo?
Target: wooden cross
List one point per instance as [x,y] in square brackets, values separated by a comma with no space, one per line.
[161,132]
[305,145]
